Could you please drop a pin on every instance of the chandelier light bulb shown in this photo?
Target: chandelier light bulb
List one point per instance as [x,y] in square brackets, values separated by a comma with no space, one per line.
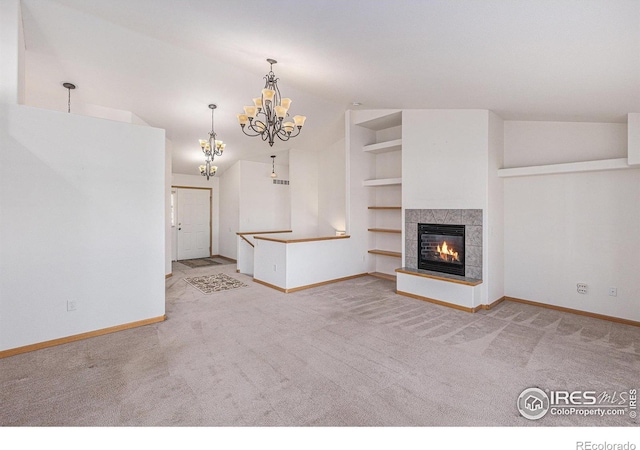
[268,95]
[288,127]
[281,112]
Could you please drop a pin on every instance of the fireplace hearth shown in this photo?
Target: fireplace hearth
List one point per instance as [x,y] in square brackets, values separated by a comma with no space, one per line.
[441,248]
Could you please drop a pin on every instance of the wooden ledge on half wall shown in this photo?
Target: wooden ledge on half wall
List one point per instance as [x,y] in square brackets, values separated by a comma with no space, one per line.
[296,240]
[440,276]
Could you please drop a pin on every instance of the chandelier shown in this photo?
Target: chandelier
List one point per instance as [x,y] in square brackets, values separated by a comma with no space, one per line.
[266,118]
[211,149]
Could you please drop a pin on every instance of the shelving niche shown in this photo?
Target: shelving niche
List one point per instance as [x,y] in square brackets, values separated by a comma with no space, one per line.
[385,206]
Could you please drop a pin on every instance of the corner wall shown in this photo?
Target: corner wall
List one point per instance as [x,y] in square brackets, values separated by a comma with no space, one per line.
[12,49]
[229,211]
[332,190]
[78,227]
[303,167]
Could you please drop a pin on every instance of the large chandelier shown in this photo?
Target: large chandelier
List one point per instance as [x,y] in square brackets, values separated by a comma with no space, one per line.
[211,149]
[266,118]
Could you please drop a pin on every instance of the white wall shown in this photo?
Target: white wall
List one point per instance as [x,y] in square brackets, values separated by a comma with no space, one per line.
[530,143]
[444,159]
[249,201]
[303,170]
[493,257]
[229,211]
[264,206]
[78,225]
[168,230]
[565,229]
[199,181]
[270,262]
[11,52]
[294,265]
[332,189]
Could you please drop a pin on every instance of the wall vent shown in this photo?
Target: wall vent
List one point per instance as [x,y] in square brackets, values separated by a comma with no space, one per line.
[281,182]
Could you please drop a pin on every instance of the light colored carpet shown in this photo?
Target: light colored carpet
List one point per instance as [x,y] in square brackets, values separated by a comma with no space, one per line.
[351,353]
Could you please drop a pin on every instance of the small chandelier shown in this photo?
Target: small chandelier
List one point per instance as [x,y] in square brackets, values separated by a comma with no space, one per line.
[266,118]
[211,149]
[273,166]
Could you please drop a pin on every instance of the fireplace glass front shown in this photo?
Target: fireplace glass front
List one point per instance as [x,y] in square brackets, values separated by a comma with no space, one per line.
[441,248]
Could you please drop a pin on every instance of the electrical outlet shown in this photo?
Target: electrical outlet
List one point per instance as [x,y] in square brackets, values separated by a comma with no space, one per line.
[582,288]
[613,292]
[72,305]
[275,268]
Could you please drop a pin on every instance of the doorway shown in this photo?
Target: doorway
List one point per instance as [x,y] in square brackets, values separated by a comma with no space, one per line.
[191,221]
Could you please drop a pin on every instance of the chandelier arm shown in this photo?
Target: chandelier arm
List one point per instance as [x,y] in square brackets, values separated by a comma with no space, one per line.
[250,128]
[283,136]
[259,130]
[299,130]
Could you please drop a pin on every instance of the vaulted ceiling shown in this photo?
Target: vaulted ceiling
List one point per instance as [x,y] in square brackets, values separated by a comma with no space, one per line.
[166,60]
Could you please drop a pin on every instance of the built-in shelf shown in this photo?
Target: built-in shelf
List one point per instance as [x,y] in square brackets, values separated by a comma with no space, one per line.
[584,166]
[384,276]
[384,230]
[384,147]
[379,120]
[386,253]
[398,208]
[382,182]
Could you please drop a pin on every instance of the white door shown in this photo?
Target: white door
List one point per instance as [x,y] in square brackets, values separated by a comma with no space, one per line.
[194,219]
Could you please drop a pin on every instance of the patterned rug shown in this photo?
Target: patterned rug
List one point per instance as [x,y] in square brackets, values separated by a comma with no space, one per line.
[209,284]
[199,262]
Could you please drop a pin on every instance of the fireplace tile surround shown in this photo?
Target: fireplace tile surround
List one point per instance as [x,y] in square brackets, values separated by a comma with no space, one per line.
[471,218]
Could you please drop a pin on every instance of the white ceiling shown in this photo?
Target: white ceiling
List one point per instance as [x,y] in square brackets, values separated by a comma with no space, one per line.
[166,60]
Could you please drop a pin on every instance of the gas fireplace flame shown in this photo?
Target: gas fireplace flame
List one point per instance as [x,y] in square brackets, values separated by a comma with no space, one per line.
[447,253]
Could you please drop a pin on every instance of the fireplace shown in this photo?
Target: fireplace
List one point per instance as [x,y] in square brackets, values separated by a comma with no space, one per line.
[441,248]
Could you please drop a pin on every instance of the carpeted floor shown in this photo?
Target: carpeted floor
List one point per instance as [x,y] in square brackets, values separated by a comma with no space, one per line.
[351,353]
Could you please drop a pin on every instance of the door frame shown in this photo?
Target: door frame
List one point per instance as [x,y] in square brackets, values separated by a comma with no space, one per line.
[175,241]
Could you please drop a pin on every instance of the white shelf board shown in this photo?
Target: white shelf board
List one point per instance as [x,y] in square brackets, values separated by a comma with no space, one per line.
[379,120]
[382,182]
[384,147]
[584,166]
